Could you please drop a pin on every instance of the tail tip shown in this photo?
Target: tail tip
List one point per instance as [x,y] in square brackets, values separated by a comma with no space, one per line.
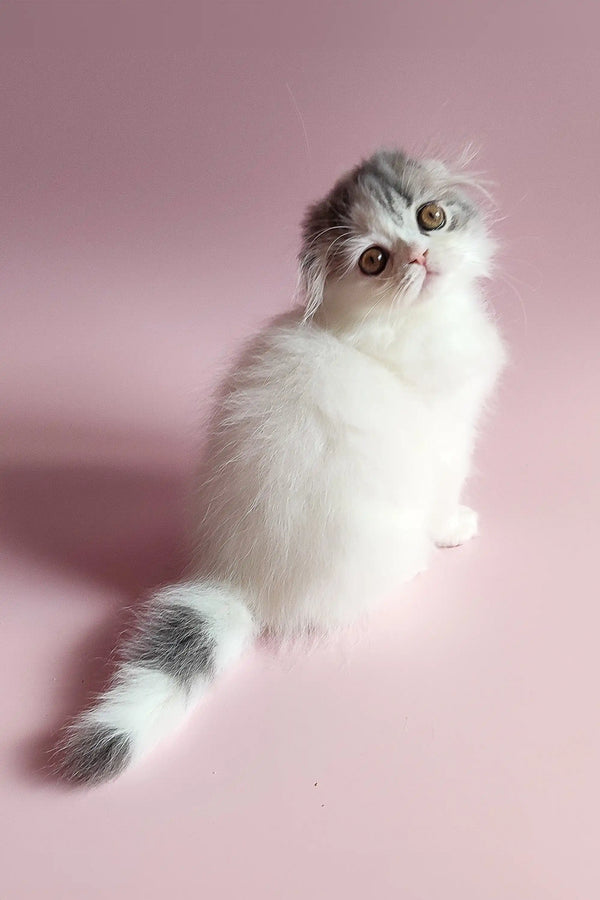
[94,753]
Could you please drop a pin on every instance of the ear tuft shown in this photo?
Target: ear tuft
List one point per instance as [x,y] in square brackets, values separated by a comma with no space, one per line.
[311,284]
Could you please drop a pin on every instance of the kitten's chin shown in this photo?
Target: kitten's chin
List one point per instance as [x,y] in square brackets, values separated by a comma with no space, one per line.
[418,284]
[412,293]
[423,283]
[431,282]
[440,282]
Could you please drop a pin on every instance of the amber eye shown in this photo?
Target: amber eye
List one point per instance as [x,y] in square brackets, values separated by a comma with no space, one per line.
[430,217]
[373,261]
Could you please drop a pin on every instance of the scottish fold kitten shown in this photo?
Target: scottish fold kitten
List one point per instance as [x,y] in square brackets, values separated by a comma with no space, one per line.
[338,447]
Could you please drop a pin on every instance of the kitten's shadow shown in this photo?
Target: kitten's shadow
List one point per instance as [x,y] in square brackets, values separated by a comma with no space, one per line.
[117,525]
[113,524]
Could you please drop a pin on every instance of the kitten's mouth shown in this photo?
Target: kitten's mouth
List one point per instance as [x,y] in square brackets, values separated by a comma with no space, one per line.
[416,267]
[421,276]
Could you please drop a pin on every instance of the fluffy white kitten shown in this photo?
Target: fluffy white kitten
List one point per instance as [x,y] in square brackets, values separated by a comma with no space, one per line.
[338,449]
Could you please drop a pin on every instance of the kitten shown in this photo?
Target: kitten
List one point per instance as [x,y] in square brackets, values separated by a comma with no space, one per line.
[338,447]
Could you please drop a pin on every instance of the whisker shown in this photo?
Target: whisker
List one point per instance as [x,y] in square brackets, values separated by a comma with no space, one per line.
[503,277]
[300,116]
[320,234]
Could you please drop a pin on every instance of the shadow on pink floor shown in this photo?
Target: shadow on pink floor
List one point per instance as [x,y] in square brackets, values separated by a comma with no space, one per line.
[118,526]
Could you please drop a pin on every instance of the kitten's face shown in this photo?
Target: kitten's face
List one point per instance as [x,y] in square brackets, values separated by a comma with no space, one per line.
[391,233]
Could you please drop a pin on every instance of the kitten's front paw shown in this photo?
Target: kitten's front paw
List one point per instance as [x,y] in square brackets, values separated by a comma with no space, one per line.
[459,528]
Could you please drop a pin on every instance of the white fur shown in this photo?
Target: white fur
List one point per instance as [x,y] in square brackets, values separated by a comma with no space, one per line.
[339,455]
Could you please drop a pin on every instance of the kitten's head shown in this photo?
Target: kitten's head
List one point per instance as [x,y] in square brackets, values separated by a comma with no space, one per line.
[392,232]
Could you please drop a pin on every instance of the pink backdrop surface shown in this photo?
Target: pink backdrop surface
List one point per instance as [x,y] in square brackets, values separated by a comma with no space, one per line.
[156,162]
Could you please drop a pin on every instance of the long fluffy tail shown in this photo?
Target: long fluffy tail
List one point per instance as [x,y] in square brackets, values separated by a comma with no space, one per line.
[185,636]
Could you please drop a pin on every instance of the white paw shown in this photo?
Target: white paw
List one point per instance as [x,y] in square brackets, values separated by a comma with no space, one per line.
[459,528]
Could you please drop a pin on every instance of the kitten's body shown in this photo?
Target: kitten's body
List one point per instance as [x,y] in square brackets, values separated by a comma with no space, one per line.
[338,449]
[332,471]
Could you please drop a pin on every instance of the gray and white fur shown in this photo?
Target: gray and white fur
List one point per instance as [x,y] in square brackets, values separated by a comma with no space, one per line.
[338,448]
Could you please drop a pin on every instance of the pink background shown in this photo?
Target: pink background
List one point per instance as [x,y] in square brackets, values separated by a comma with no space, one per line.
[155,163]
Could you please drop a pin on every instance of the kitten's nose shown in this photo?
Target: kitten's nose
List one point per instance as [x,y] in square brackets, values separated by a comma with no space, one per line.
[418,256]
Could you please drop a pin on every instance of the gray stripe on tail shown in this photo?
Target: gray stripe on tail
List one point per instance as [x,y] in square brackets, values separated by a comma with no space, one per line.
[94,753]
[175,640]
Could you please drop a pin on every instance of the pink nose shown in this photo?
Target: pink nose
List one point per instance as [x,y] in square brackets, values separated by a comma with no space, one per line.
[419,257]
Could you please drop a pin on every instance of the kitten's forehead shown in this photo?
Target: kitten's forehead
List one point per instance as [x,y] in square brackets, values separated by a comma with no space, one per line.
[391,183]
[381,188]
[380,192]
[390,179]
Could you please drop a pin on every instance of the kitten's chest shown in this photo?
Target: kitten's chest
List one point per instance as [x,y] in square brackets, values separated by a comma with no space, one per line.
[445,355]
[382,417]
